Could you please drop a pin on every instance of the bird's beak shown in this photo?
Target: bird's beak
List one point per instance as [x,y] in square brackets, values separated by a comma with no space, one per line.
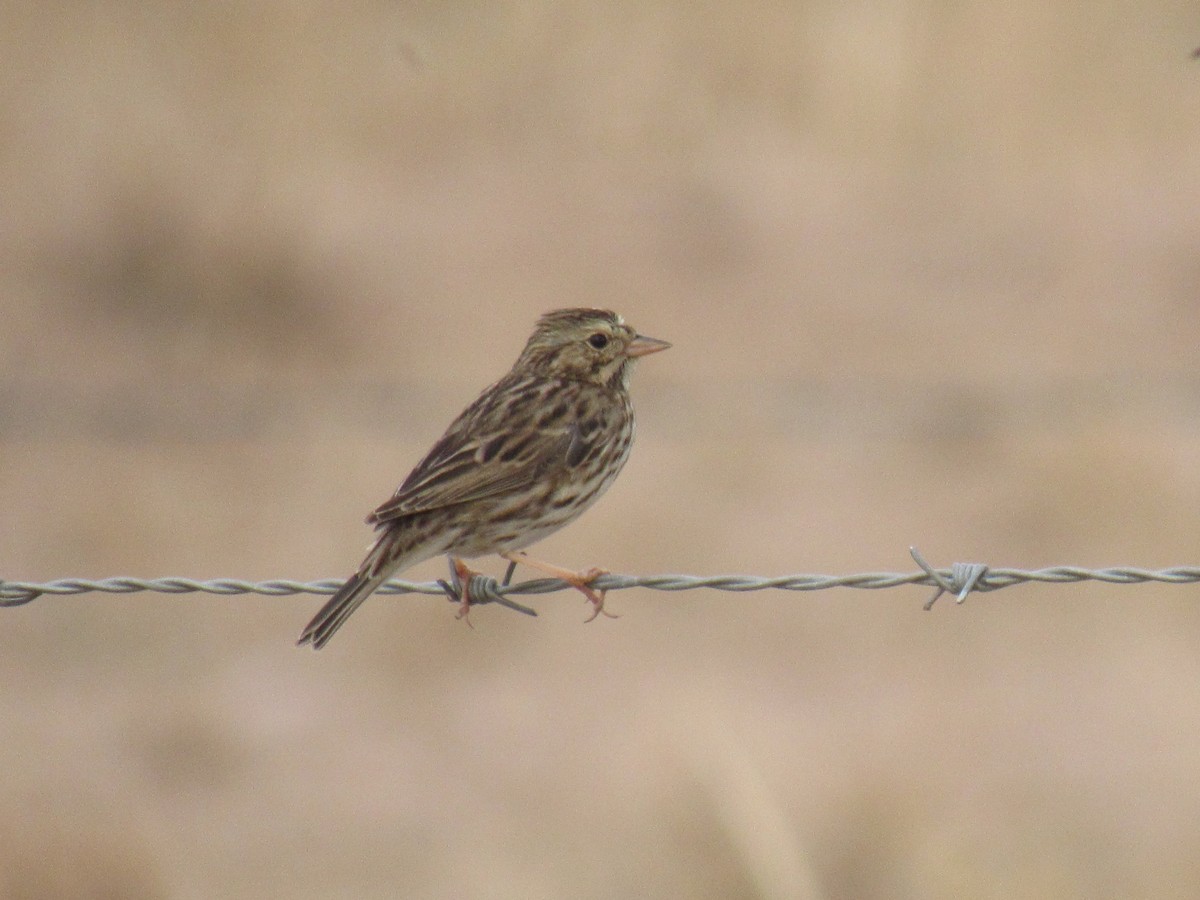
[642,346]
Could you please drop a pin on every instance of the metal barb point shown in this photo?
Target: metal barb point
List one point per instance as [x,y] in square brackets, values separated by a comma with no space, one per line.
[969,576]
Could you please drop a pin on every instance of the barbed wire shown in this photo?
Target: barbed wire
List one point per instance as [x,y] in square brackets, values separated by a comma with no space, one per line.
[961,579]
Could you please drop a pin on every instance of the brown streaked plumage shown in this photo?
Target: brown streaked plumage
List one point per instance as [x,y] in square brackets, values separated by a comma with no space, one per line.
[533,452]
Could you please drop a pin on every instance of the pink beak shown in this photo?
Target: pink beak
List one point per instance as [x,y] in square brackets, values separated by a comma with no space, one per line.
[643,346]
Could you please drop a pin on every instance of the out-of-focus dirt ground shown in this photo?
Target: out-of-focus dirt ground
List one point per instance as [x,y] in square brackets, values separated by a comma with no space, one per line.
[932,276]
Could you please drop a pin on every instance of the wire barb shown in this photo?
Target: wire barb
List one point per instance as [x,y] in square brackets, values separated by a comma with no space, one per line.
[964,578]
[482,589]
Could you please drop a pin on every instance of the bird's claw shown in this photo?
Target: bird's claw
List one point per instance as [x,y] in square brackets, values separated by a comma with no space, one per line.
[595,596]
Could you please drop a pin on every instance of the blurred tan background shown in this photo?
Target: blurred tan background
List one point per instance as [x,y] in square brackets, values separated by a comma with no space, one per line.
[932,274]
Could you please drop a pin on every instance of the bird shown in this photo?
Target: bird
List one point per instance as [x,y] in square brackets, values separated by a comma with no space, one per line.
[527,457]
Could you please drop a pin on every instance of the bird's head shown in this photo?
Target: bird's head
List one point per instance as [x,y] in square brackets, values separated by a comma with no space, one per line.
[591,345]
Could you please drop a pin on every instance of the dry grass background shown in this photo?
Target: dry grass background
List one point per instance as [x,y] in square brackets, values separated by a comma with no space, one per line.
[932,276]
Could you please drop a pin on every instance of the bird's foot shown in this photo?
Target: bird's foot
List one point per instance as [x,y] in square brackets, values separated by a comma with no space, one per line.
[581,581]
[595,597]
[462,581]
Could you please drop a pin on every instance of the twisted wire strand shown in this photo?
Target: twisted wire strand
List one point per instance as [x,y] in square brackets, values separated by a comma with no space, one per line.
[960,579]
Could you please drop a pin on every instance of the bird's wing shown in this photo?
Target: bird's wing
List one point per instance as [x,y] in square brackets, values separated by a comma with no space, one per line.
[501,443]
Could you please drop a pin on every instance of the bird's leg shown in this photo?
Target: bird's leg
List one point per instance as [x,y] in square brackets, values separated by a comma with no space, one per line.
[463,574]
[508,573]
[581,581]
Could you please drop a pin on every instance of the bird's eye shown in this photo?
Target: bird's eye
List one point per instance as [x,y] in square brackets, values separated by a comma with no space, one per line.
[598,340]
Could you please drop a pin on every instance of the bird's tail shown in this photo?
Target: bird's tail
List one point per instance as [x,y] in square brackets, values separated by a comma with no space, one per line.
[381,563]
[335,613]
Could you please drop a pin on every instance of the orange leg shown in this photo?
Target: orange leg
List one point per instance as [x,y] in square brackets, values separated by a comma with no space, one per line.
[464,580]
[578,580]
